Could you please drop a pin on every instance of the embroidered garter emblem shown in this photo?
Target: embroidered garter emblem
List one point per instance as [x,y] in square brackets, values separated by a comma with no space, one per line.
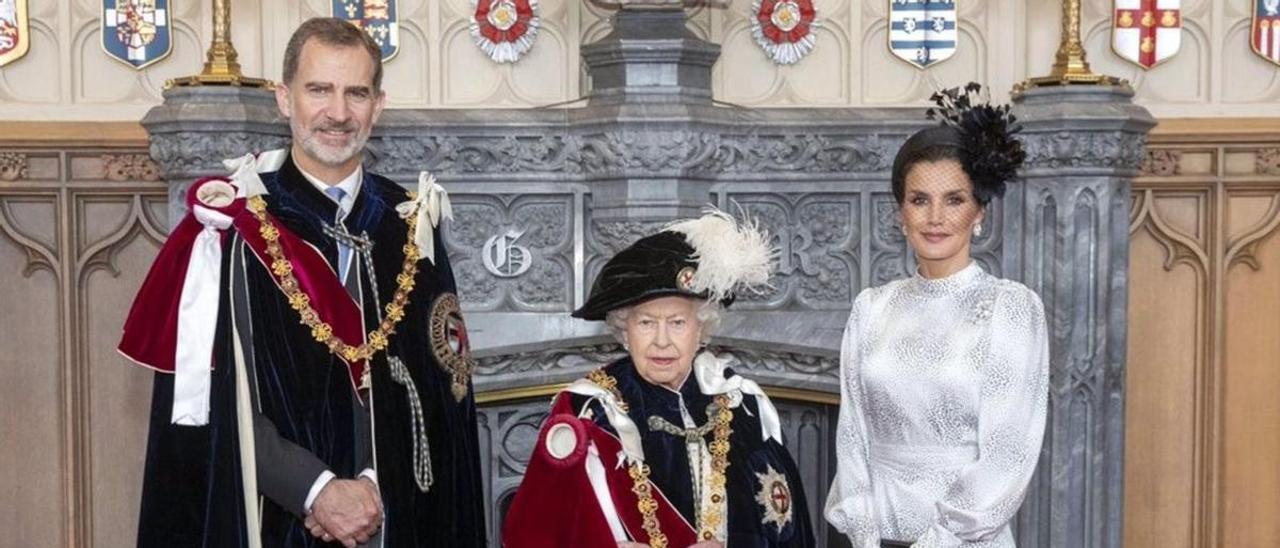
[684,278]
[774,498]
[449,343]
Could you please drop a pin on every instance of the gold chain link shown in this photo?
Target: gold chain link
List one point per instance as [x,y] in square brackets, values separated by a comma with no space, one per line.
[639,472]
[322,331]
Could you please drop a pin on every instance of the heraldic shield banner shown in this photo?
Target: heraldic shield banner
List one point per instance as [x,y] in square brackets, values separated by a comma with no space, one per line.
[136,32]
[14,32]
[1146,32]
[922,32]
[1265,38]
[379,18]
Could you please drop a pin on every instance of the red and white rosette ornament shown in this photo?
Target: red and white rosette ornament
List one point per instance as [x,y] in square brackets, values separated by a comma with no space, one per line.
[784,28]
[505,29]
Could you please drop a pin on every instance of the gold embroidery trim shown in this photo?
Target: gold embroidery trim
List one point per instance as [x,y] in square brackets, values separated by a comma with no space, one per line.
[322,331]
[719,449]
[639,472]
[607,382]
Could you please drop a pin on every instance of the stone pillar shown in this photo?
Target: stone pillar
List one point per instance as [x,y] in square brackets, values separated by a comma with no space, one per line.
[650,73]
[1069,232]
[650,57]
[198,127]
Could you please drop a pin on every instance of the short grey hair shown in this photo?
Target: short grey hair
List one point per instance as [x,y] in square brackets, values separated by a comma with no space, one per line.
[709,314]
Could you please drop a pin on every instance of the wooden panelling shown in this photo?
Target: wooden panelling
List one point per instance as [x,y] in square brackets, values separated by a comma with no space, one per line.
[1160,407]
[1203,419]
[1251,375]
[80,221]
[119,238]
[32,369]
[74,134]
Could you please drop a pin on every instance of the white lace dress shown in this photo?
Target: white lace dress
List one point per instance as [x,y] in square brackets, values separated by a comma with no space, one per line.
[944,387]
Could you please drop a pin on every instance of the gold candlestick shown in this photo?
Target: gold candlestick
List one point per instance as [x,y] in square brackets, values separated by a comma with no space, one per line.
[220,67]
[1071,68]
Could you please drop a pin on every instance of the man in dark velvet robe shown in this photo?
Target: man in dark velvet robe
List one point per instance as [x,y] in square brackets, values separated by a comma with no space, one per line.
[378,451]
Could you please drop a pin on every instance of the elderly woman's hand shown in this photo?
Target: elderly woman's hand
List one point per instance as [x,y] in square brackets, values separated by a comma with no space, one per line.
[708,544]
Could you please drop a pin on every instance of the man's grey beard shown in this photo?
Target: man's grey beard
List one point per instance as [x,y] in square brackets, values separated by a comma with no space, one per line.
[326,155]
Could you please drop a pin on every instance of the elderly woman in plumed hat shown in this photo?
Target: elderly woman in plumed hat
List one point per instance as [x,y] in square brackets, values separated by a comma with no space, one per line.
[666,447]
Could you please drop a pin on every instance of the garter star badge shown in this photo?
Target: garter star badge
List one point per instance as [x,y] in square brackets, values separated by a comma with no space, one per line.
[774,498]
[14,31]
[684,278]
[449,343]
[136,32]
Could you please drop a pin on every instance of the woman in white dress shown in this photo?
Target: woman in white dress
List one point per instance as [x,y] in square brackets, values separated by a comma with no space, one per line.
[944,375]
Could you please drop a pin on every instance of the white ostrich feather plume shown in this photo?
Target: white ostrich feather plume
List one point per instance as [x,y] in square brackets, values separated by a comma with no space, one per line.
[732,255]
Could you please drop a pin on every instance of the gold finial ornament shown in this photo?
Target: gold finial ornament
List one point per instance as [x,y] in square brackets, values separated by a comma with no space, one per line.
[1070,67]
[220,67]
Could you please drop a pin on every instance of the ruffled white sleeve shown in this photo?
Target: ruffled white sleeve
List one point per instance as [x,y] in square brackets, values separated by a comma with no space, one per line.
[850,507]
[1014,395]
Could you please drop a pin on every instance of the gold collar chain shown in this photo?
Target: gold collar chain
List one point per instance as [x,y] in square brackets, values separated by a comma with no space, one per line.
[639,472]
[322,331]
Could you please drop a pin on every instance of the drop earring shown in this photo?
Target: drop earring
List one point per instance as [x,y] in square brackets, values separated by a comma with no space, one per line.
[977,230]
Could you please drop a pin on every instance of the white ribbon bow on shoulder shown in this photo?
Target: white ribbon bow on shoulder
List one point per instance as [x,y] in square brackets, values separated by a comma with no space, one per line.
[709,370]
[245,170]
[431,204]
[628,433]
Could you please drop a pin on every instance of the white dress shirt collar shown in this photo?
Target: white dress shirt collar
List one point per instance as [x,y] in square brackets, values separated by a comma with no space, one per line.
[350,185]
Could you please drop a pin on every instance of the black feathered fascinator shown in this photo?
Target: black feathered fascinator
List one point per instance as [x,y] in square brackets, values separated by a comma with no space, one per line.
[983,135]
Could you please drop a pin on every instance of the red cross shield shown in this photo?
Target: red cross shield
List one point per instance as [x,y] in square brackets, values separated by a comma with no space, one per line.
[1146,32]
[1264,35]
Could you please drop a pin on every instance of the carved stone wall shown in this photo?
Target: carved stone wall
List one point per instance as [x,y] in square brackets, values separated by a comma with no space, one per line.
[66,76]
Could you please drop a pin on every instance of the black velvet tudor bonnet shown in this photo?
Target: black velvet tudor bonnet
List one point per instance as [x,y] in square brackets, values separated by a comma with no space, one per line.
[981,135]
[711,257]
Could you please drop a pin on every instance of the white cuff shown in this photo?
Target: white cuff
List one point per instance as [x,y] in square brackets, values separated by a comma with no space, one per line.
[321,481]
[369,473]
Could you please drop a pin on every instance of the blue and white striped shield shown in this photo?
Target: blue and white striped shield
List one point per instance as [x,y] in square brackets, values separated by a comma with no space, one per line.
[922,32]
[136,32]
